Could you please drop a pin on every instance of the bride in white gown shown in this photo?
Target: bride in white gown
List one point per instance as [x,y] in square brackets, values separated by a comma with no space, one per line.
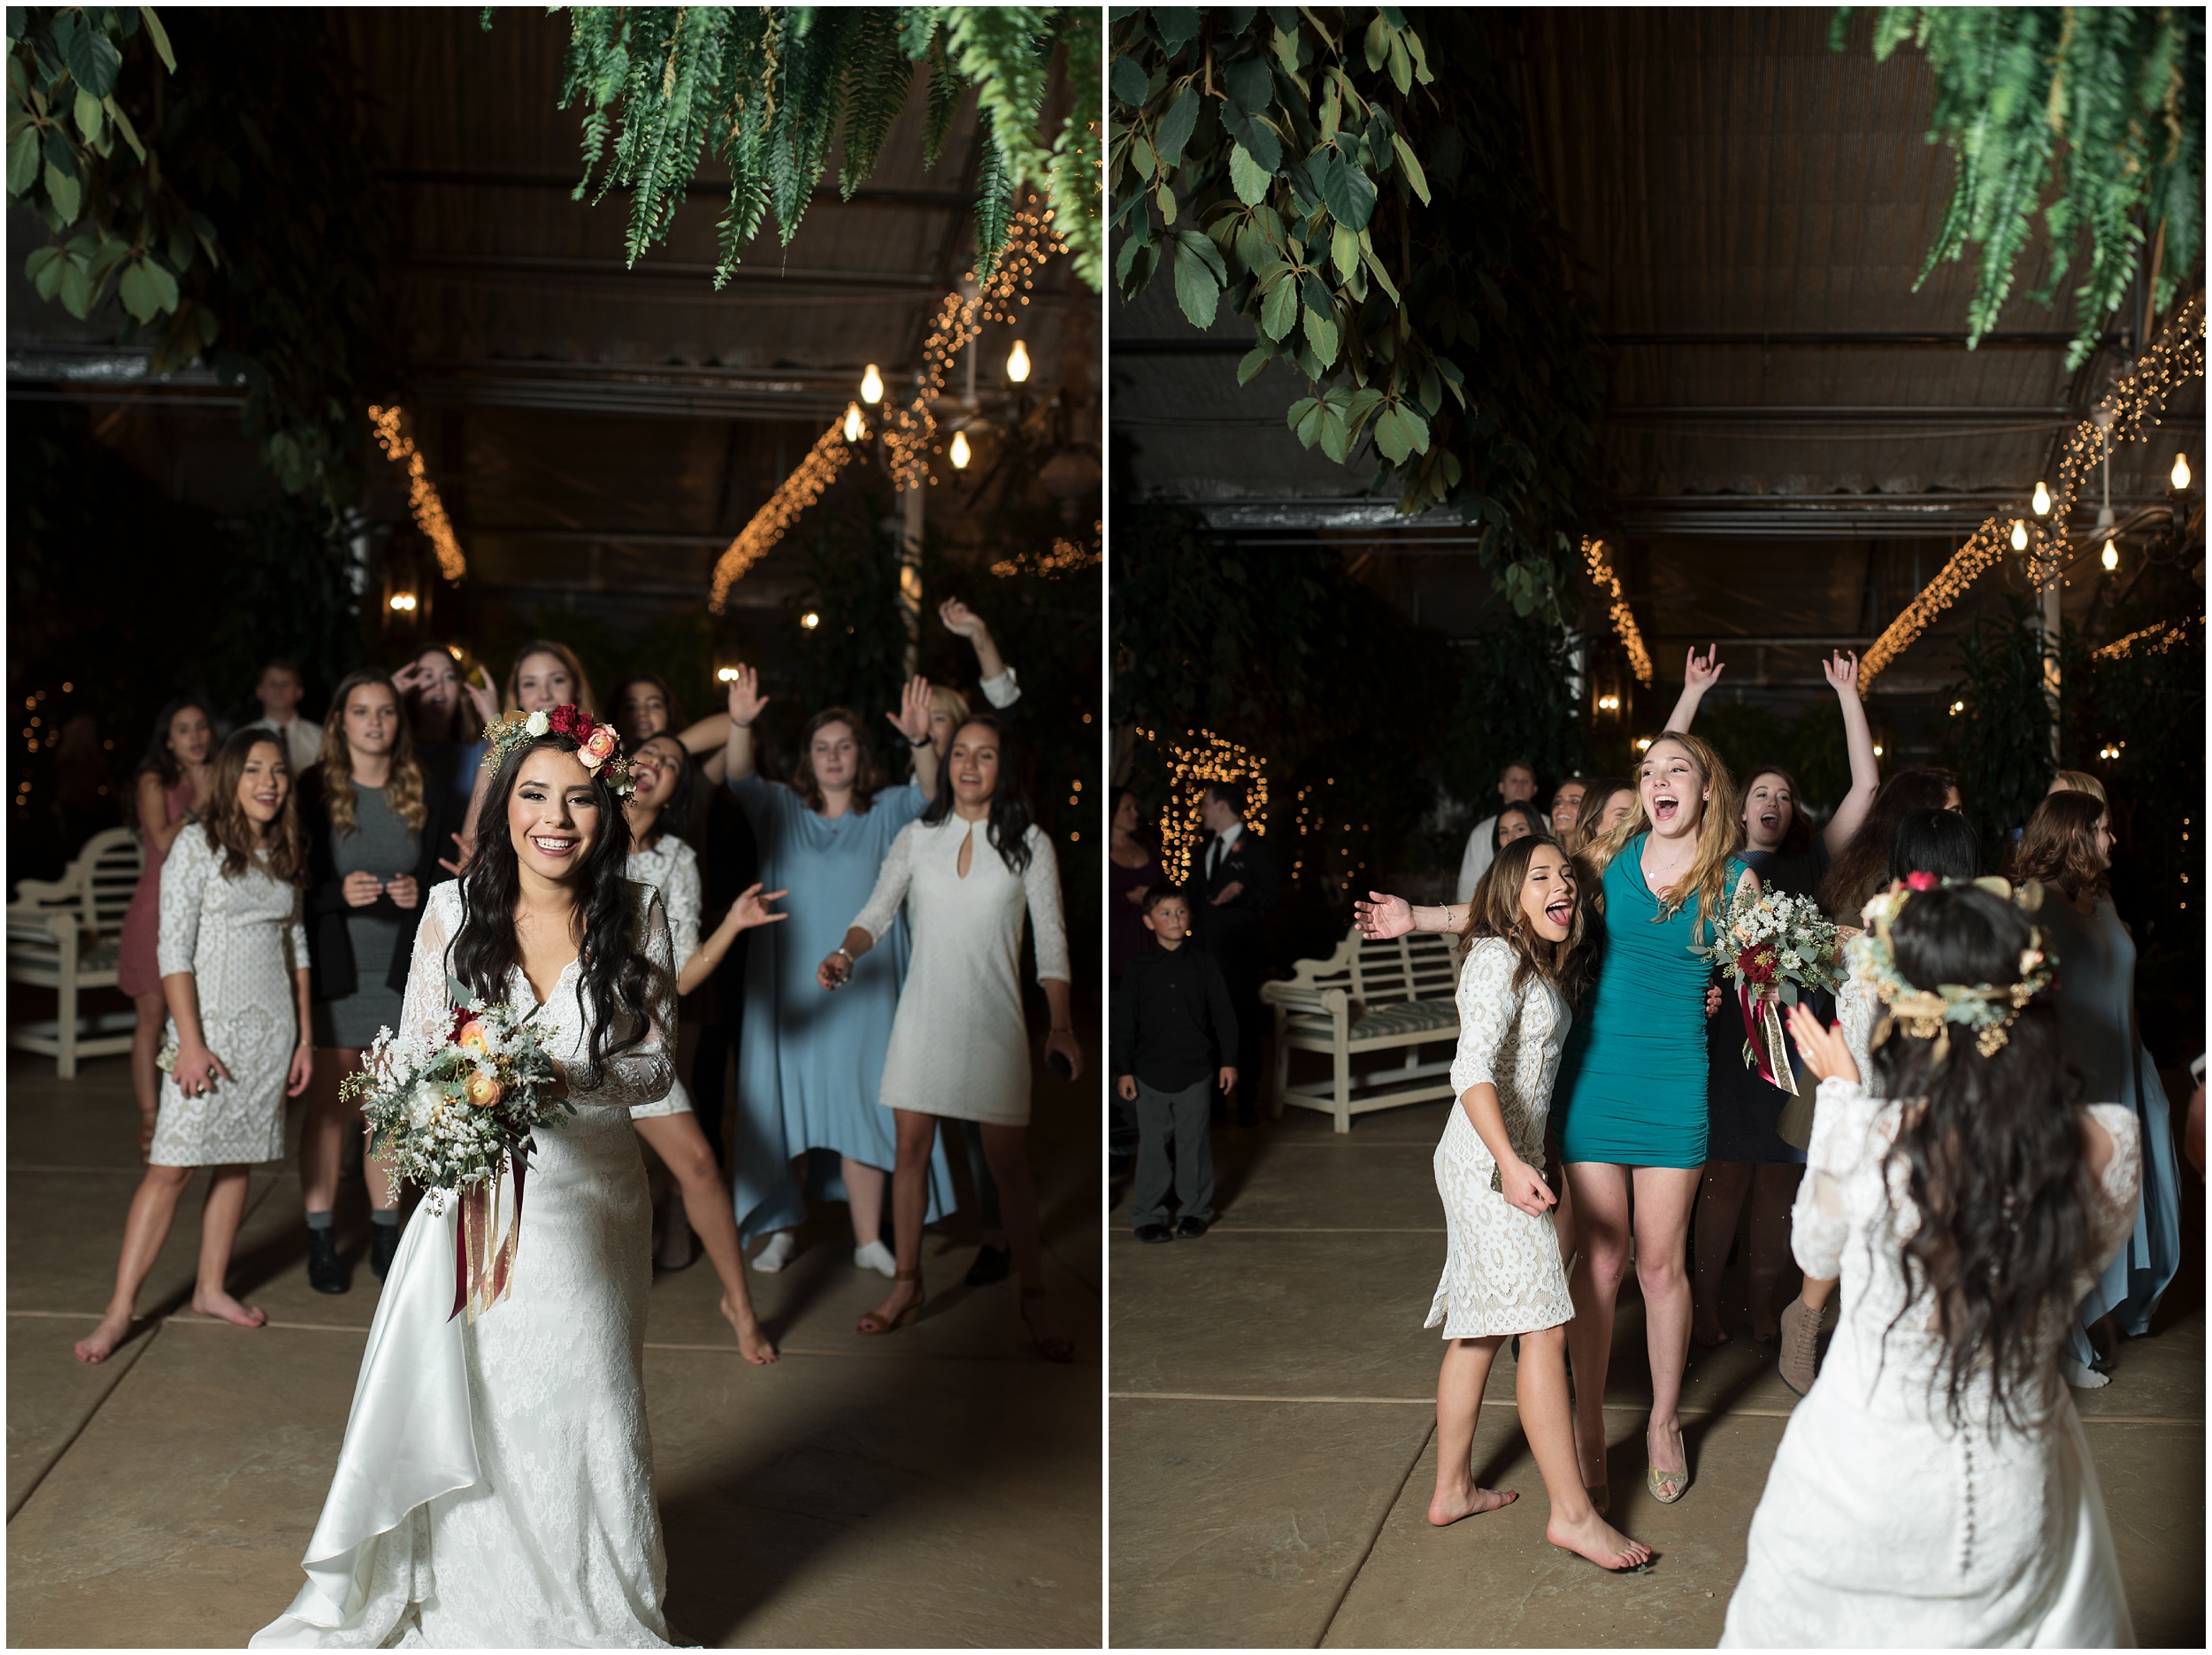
[1934,1488]
[496,1485]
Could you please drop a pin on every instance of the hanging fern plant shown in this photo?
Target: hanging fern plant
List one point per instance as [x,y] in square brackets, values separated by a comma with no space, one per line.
[2111,100]
[769,90]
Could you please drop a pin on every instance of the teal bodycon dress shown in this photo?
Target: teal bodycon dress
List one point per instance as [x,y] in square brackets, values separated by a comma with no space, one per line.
[1635,1096]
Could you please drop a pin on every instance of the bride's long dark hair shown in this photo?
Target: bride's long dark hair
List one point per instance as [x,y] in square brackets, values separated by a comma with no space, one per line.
[616,975]
[1993,1162]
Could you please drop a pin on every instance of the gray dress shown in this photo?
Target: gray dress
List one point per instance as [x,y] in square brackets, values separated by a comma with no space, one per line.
[382,844]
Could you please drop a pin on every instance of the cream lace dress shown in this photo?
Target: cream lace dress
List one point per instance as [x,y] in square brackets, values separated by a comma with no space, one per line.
[1881,1523]
[240,939]
[1501,1266]
[496,1486]
[670,868]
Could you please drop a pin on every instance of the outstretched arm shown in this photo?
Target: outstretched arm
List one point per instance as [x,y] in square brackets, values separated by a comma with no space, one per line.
[1697,678]
[1380,918]
[958,617]
[1843,674]
[746,703]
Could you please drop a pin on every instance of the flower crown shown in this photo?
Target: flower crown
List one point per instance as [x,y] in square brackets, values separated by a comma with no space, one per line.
[1988,1009]
[597,745]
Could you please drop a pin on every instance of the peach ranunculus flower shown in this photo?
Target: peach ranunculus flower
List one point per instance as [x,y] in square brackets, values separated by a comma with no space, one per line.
[599,746]
[474,1037]
[482,1090]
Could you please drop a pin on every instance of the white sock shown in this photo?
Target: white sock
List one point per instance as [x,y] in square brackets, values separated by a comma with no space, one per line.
[777,1253]
[877,1257]
[2082,1378]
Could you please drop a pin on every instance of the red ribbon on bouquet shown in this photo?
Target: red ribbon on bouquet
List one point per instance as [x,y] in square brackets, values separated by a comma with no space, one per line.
[483,1260]
[1764,1047]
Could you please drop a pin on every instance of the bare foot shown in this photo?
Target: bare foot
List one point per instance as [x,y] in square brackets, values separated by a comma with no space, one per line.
[1597,1540]
[752,1344]
[229,1309]
[885,1316]
[101,1343]
[1709,1338]
[1447,1509]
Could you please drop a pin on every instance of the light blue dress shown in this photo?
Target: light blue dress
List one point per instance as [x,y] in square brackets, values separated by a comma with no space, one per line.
[1634,1078]
[810,1062]
[2095,994]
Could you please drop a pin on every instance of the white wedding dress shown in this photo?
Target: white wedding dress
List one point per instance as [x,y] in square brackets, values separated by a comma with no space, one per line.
[1881,1524]
[496,1485]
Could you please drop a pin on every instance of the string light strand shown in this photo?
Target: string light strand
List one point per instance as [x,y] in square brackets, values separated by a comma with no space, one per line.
[829,455]
[1623,620]
[422,494]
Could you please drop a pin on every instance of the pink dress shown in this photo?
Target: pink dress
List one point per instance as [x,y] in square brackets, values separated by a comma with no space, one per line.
[137,970]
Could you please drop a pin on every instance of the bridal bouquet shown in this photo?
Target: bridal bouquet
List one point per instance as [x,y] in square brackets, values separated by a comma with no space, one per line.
[455,1110]
[1773,947]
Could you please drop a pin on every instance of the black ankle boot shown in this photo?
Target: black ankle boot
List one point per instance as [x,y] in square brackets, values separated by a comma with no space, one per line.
[383,1246]
[325,1274]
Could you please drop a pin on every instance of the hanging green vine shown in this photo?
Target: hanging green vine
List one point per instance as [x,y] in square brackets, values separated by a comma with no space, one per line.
[768,90]
[1380,222]
[2121,88]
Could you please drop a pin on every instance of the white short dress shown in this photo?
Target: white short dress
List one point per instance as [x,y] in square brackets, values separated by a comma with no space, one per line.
[672,868]
[242,939]
[1501,1268]
[959,1042]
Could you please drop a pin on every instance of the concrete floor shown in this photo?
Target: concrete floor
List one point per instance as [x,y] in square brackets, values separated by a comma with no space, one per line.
[1271,1433]
[939,1486]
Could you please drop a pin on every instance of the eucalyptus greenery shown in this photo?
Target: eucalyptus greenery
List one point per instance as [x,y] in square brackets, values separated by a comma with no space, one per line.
[1359,187]
[2108,101]
[768,90]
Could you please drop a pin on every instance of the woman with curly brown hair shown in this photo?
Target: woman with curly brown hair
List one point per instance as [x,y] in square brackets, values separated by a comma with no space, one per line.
[233,969]
[2068,846]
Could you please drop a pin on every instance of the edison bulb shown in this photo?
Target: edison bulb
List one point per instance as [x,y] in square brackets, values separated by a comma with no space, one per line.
[852,422]
[959,451]
[872,386]
[2111,556]
[2042,500]
[809,620]
[2181,470]
[2019,536]
[1018,363]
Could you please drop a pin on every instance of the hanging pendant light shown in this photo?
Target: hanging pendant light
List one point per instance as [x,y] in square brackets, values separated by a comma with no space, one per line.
[2042,500]
[852,422]
[2111,556]
[1018,363]
[872,386]
[2181,471]
[959,452]
[2019,535]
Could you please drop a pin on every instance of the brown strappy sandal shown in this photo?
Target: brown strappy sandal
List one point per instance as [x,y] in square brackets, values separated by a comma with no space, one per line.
[874,1324]
[1059,1347]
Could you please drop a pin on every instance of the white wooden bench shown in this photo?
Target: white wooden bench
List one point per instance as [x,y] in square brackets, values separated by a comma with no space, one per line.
[64,934]
[1368,997]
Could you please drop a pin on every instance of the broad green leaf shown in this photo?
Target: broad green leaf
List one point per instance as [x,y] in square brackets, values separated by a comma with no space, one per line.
[1310,424]
[1348,192]
[1391,439]
[1415,176]
[1255,360]
[1257,134]
[1297,411]
[1251,83]
[1246,177]
[66,193]
[111,252]
[1432,390]
[136,291]
[1127,80]
[1321,333]
[1178,26]
[1490,292]
[1378,42]
[88,117]
[160,37]
[76,290]
[92,57]
[1375,267]
[1286,49]
[1199,277]
[123,125]
[1401,66]
[22,160]
[1279,310]
[1344,249]
[43,267]
[1417,427]
[1314,292]
[1142,157]
[1336,439]
[1331,108]
[1175,128]
[1364,402]
[1165,199]
[164,284]
[60,154]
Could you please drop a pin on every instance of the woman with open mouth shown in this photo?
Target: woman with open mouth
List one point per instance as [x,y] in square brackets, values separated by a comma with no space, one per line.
[1635,1116]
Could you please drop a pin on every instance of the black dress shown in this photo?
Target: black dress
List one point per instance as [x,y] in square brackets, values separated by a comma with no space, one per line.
[1742,1108]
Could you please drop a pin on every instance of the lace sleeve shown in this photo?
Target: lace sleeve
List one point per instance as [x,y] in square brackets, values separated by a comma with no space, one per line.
[426,1012]
[891,883]
[681,894]
[184,878]
[1854,1011]
[644,1073]
[1819,1224]
[1487,1009]
[1041,883]
[2121,1187]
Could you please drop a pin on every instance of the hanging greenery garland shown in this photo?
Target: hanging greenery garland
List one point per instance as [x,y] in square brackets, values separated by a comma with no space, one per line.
[2120,88]
[1381,224]
[768,90]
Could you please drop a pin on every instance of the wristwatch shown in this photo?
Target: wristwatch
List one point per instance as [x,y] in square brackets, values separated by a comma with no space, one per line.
[918,741]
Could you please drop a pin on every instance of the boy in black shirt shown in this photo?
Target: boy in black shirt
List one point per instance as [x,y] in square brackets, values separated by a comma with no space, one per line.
[1170,1019]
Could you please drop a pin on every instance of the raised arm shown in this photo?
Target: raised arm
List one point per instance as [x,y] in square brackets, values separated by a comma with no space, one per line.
[959,618]
[912,721]
[746,703]
[1843,674]
[1697,678]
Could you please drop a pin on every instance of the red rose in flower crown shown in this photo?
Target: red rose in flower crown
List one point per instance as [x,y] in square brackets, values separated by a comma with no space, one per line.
[597,745]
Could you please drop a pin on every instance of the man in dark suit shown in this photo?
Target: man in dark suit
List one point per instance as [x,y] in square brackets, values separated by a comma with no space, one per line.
[1233,888]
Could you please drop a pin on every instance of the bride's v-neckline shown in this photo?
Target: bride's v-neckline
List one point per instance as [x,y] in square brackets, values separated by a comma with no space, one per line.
[542,1004]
